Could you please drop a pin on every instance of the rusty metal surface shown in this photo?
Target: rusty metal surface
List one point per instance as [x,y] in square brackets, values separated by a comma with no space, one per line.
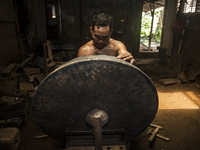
[66,95]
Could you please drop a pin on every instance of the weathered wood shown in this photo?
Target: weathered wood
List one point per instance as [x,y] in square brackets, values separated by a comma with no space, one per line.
[168,18]
[9,68]
[26,87]
[31,71]
[9,138]
[152,22]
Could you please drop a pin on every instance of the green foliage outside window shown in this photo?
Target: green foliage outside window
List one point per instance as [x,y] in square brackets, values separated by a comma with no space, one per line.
[146,26]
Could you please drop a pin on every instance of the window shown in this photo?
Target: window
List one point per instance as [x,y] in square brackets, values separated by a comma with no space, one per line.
[198,6]
[51,12]
[192,6]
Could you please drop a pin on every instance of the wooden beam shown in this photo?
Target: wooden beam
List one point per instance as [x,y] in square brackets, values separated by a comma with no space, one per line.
[150,37]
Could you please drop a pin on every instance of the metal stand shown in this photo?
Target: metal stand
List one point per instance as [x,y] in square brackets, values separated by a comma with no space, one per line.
[98,138]
[98,133]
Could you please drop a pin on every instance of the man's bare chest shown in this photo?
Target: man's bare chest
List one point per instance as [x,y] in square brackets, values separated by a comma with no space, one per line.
[106,51]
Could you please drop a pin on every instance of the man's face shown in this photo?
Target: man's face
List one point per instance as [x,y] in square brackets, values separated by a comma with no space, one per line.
[101,36]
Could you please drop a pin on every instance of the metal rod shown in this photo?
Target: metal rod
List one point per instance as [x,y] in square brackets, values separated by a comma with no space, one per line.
[98,133]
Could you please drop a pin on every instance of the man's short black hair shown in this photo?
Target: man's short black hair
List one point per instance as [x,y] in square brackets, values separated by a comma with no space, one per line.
[102,20]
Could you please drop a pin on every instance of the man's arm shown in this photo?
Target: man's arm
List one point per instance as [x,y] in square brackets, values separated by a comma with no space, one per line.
[123,53]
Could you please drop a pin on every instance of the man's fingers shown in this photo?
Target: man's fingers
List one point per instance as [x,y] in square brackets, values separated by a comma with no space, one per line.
[121,56]
[128,58]
[126,55]
[132,61]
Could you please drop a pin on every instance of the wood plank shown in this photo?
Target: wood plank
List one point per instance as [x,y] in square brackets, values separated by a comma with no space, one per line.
[9,68]
[26,87]
[31,71]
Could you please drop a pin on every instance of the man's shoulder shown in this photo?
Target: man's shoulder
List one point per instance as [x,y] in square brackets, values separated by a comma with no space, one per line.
[116,43]
[88,45]
[86,49]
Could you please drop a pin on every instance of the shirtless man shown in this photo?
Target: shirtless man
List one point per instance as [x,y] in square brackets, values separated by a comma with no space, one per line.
[101,43]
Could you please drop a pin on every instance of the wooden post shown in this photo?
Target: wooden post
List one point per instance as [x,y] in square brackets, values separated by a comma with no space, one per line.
[150,37]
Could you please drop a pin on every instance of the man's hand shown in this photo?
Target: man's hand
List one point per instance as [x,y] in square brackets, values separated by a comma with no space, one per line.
[127,57]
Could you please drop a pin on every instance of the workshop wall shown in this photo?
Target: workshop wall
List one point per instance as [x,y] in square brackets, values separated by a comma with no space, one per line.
[77,16]
[70,13]
[193,41]
[76,20]
[36,30]
[9,35]
[53,20]
[13,31]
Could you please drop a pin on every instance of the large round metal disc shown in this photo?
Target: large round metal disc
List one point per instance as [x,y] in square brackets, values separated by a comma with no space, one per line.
[66,95]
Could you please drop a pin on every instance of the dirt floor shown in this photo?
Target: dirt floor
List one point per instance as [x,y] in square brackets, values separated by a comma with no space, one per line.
[178,114]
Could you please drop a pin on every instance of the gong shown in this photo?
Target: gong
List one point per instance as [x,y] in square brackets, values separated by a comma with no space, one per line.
[102,82]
